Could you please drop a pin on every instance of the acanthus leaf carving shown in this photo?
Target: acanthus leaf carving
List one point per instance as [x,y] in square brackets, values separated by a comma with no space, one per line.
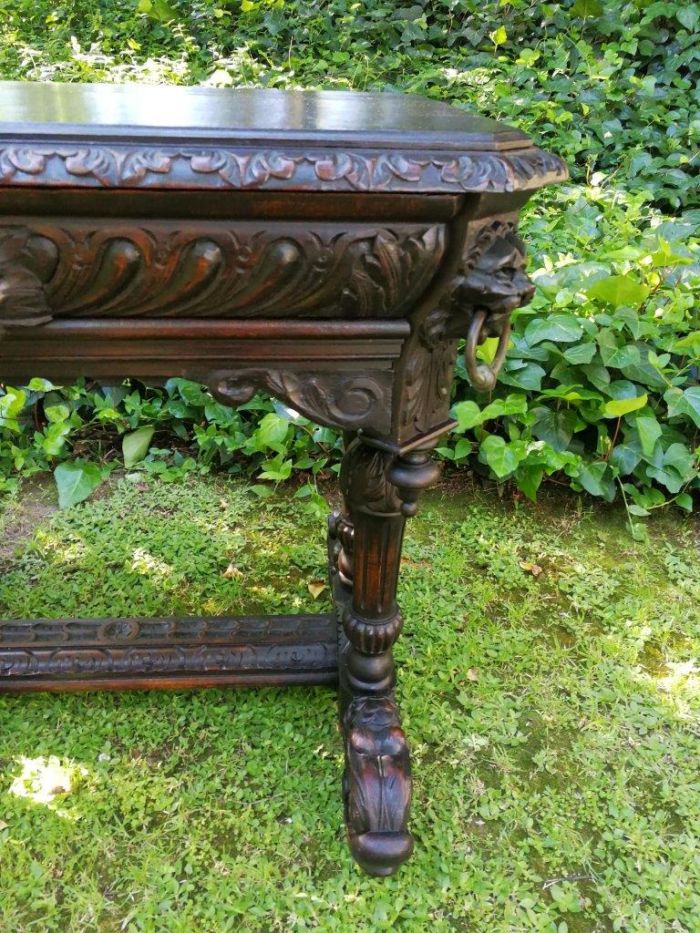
[214,269]
[246,168]
[23,299]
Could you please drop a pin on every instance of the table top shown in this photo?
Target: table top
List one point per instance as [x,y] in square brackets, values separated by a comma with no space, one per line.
[245,115]
[172,137]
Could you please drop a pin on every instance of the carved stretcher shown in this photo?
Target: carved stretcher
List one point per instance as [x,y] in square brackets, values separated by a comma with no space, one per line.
[329,248]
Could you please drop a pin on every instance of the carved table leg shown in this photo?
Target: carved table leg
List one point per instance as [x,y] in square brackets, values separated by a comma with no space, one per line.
[380,492]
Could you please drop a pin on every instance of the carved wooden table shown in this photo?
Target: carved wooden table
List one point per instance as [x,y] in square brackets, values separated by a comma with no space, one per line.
[328,248]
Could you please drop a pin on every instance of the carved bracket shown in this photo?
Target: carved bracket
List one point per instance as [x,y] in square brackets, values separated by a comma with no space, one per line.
[339,400]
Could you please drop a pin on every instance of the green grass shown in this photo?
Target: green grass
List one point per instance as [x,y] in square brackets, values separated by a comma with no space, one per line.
[553,720]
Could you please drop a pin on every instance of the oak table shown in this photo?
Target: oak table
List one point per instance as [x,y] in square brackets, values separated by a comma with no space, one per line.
[329,248]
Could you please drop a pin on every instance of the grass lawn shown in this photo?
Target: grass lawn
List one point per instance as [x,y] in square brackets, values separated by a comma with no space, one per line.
[547,681]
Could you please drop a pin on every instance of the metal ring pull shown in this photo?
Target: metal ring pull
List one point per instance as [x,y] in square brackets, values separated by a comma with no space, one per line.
[483,375]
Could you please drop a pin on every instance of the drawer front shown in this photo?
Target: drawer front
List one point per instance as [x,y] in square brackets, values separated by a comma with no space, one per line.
[182,268]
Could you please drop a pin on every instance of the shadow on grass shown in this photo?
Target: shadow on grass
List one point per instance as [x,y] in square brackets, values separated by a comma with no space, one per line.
[556,771]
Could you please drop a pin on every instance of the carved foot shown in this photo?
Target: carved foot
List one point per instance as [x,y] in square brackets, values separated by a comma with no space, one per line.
[376,784]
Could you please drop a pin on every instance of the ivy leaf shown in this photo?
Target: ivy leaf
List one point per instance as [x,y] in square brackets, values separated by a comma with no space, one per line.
[135,445]
[619,291]
[559,328]
[626,456]
[529,376]
[597,375]
[463,448]
[680,458]
[11,404]
[675,469]
[616,408]
[157,9]
[614,355]
[586,8]
[277,469]
[498,455]
[596,479]
[468,415]
[644,371]
[581,353]
[686,402]
[555,428]
[511,405]
[487,350]
[529,479]
[667,477]
[75,481]
[649,431]
[272,431]
[40,385]
[689,16]
[623,388]
[638,510]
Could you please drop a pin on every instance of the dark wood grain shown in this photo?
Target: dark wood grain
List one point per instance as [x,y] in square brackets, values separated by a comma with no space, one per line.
[81,654]
[329,248]
[124,137]
[246,114]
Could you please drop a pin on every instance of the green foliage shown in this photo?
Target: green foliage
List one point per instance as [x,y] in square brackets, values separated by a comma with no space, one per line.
[602,374]
[607,382]
[552,717]
[76,481]
[122,426]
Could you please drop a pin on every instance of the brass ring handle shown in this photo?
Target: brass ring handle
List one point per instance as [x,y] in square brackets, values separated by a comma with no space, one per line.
[483,375]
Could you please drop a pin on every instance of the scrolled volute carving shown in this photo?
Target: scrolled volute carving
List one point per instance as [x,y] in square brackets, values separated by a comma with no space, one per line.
[340,400]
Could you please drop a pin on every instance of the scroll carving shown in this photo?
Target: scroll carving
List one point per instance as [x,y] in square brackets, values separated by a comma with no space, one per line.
[336,399]
[199,270]
[108,166]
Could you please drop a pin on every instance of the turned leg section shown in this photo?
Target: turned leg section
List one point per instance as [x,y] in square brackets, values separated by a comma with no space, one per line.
[379,491]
